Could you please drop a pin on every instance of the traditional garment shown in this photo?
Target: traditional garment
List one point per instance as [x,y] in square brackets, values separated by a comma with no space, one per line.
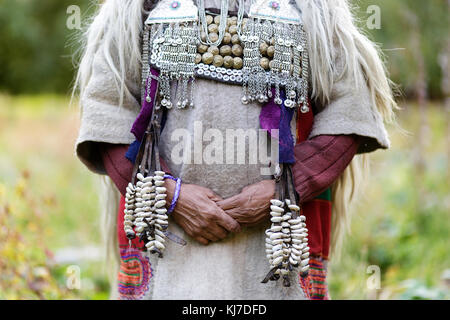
[232,268]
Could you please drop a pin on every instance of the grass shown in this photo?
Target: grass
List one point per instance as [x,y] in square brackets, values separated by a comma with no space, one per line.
[48,202]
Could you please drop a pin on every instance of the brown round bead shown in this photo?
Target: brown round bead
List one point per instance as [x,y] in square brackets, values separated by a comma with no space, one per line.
[214,50]
[213,36]
[225,50]
[237,63]
[213,28]
[218,61]
[263,47]
[207,58]
[264,63]
[198,58]
[217,19]
[235,39]
[236,50]
[209,19]
[202,48]
[232,29]
[203,36]
[228,62]
[270,51]
[227,38]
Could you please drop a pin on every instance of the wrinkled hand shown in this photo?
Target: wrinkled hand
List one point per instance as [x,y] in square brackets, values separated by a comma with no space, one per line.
[251,206]
[198,213]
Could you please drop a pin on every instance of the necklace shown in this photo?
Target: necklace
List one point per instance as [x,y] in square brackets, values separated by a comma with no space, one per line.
[204,26]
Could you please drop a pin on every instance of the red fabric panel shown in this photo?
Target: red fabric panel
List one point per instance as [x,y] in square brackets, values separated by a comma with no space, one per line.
[122,238]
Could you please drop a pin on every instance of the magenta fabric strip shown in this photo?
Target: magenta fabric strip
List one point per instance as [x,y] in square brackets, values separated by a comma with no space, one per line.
[143,119]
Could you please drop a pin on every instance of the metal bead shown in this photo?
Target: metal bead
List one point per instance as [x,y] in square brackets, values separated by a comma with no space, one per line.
[264,63]
[237,63]
[245,100]
[236,50]
[235,39]
[232,29]
[304,109]
[198,58]
[263,48]
[213,36]
[278,101]
[228,62]
[202,48]
[213,28]
[218,61]
[227,38]
[270,51]
[214,50]
[148,99]
[225,50]
[207,58]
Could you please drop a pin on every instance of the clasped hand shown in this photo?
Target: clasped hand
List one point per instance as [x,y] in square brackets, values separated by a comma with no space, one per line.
[206,217]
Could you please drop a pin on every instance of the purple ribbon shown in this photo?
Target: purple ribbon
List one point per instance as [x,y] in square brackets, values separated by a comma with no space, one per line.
[274,117]
[143,119]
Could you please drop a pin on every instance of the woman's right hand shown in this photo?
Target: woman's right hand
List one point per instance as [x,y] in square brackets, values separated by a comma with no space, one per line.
[198,214]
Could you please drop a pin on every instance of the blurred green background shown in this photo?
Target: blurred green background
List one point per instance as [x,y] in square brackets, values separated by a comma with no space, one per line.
[49,228]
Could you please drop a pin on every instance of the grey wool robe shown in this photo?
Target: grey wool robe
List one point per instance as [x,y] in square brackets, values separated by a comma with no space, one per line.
[234,267]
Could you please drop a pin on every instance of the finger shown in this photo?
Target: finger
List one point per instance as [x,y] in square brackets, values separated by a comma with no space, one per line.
[229,203]
[202,240]
[218,231]
[227,222]
[214,197]
[210,236]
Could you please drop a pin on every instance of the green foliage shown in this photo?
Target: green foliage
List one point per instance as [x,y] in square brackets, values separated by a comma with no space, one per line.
[402,223]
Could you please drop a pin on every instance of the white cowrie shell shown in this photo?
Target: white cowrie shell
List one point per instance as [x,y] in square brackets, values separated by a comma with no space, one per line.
[305,240]
[288,202]
[294,221]
[160,196]
[299,246]
[277,241]
[276,202]
[305,249]
[276,209]
[304,262]
[286,231]
[128,217]
[275,214]
[276,228]
[304,269]
[285,224]
[276,254]
[161,211]
[161,216]
[296,226]
[294,207]
[160,173]
[269,246]
[269,256]
[293,262]
[159,245]
[276,219]
[140,176]
[129,211]
[276,235]
[295,251]
[159,183]
[277,261]
[277,247]
[160,203]
[159,232]
[150,244]
[302,218]
[162,222]
[139,229]
[146,190]
[127,223]
[158,178]
[297,241]
[287,217]
[305,255]
[161,190]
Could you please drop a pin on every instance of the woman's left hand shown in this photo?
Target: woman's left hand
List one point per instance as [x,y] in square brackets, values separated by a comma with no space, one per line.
[251,206]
